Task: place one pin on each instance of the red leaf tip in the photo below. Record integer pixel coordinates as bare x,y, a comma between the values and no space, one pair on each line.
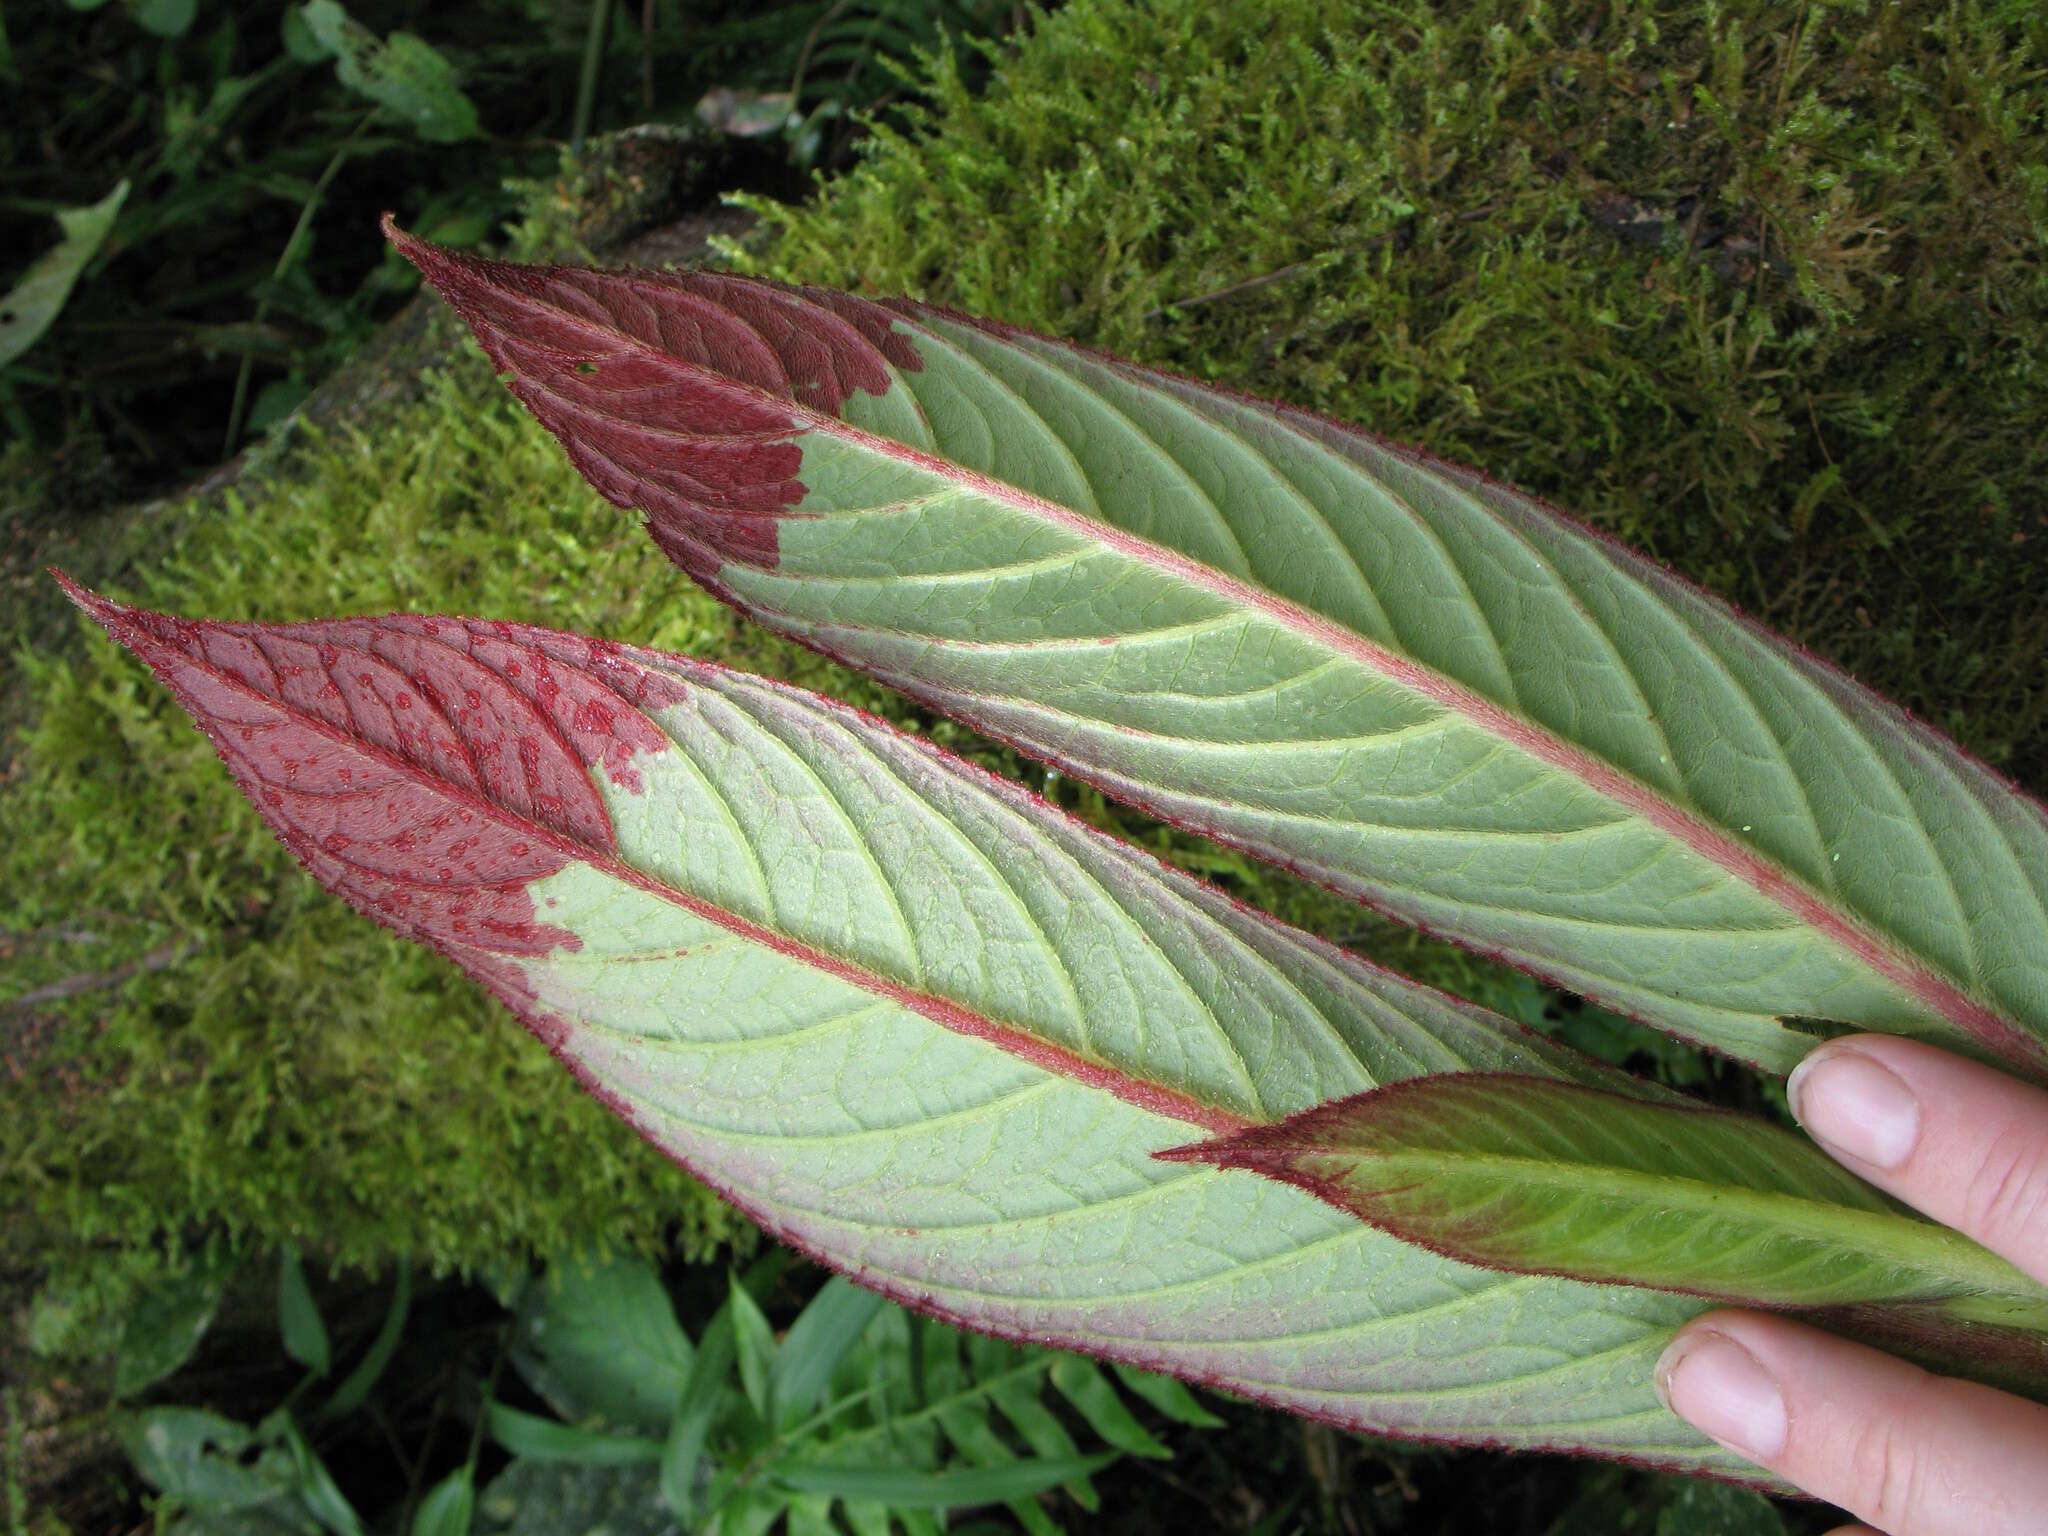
434,264
117,619
1255,1149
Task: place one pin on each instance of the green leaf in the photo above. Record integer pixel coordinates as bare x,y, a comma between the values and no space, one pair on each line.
959,1488
315,1486
703,1396
164,18
974,1438
1168,1397
401,73
355,1388
533,1498
448,1507
1039,1428
299,41
754,1343
1711,1509
197,1457
1557,1178
298,1316
29,308
168,1323
538,1439
602,1340
1096,1401
824,1332
282,1515
1388,673
911,1018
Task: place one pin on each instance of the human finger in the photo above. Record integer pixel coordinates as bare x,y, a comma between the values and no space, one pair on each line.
1962,1143
1912,1454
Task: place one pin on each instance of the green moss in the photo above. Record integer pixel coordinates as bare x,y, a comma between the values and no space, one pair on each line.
1759,287
296,1074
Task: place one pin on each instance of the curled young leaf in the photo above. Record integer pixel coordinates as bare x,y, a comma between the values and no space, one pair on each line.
1386,672
1549,1177
912,1019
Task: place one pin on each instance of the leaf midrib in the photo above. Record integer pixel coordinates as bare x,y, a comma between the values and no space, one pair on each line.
947,1013
1811,909
1876,1235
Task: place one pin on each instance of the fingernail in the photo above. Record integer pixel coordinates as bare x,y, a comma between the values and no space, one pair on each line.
1850,1103
1718,1387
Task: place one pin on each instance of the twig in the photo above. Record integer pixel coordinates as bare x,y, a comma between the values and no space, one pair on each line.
284,265
1277,275
161,958
803,58
57,933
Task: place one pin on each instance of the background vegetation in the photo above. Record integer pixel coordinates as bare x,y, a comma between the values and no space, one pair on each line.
1759,287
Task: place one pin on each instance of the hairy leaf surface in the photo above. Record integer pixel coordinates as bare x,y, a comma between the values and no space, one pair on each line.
1560,1178
912,1019
1389,673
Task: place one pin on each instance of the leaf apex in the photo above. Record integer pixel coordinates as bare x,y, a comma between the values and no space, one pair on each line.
434,264
1268,1149
118,619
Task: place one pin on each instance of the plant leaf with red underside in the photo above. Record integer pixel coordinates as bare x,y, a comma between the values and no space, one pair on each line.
1386,672
915,1021
1561,1178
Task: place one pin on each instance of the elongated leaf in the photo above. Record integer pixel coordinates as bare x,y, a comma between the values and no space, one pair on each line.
754,1343
32,305
955,1489
817,1341
448,1507
696,1414
356,1388
912,1019
539,1439
1168,1397
603,1339
298,1315
1386,672
315,1484
1558,1178
1096,1401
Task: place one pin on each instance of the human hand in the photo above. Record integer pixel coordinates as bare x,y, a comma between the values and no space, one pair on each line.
1912,1453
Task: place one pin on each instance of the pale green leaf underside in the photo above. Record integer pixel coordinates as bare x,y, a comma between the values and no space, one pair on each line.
1736,835
916,1021
949,1172
1556,1178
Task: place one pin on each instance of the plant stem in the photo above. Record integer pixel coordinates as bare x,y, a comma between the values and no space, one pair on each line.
646,59
238,407
161,958
593,64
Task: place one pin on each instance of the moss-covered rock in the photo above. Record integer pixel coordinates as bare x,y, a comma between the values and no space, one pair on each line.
278,1069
